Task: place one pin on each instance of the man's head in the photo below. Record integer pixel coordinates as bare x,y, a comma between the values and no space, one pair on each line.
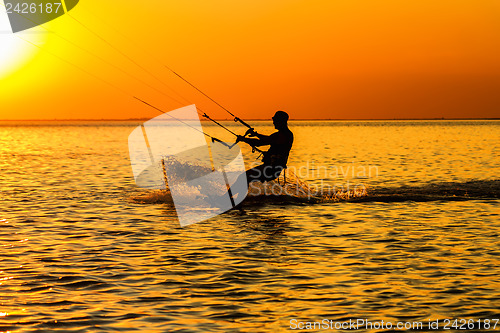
280,119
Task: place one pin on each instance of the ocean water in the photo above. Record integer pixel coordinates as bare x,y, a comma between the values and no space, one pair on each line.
79,254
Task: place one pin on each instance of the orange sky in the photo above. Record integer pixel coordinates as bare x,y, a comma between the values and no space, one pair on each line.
328,59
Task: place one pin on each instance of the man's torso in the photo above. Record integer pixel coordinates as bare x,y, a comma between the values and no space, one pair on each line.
282,142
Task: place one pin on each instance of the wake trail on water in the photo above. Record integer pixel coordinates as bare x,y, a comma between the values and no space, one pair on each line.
439,191
290,188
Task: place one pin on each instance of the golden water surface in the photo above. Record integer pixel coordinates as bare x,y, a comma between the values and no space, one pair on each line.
78,255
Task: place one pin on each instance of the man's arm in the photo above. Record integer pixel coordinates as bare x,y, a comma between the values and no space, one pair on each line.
263,140
260,136
252,133
257,142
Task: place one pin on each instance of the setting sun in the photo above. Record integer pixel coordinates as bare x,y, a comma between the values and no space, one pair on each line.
14,51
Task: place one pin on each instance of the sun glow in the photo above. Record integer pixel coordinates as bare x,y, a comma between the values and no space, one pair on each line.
14,51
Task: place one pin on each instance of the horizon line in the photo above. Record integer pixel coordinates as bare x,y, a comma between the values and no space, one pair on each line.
258,119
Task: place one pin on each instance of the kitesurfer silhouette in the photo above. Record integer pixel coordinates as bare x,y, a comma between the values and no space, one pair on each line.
275,159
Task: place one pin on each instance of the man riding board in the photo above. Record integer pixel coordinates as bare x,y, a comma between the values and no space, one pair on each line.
275,159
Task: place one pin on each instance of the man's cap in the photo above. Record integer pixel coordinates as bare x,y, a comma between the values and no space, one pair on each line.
281,115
